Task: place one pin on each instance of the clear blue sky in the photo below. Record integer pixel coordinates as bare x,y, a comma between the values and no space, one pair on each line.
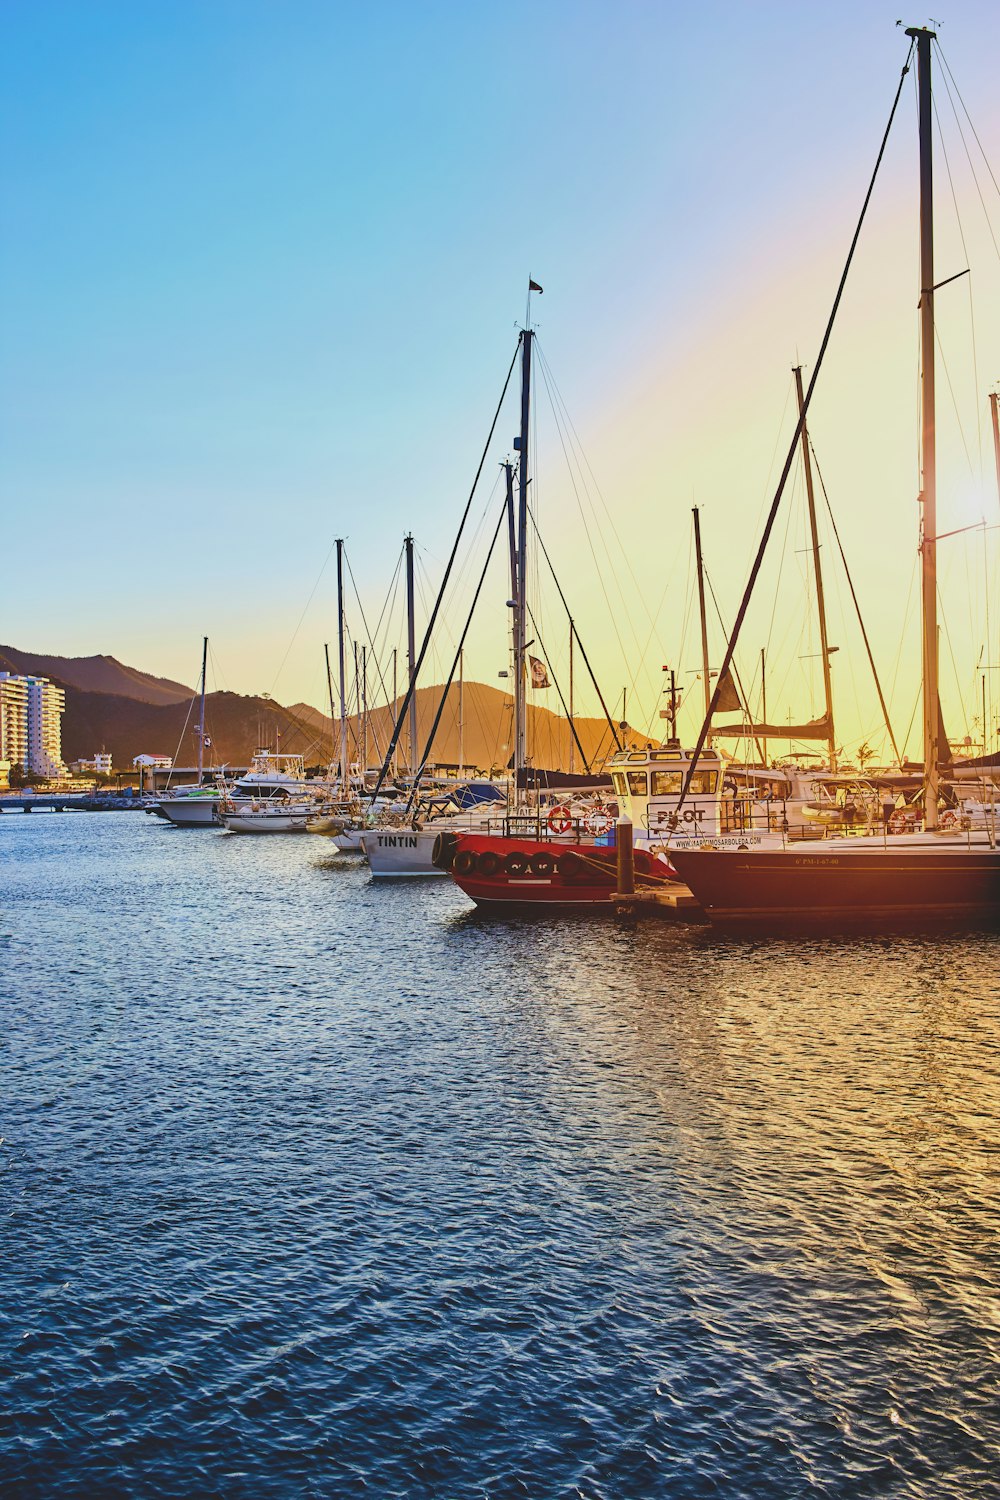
261,267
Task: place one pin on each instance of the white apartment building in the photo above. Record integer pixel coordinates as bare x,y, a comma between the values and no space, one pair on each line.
31,710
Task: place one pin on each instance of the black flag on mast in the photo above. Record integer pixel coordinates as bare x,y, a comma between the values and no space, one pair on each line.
533,286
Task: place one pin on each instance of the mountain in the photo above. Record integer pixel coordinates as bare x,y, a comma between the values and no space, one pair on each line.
127,727
96,674
488,740
237,726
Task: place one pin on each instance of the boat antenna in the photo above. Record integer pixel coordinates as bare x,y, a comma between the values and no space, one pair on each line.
793,445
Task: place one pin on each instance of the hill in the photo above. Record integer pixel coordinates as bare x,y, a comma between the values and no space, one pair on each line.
95,674
488,738
238,725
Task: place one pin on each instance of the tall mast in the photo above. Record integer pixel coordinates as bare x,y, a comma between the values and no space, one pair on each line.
763,702
344,773
364,712
572,736
511,531
201,726
705,669
521,597
824,646
928,489
411,650
329,692
461,711
994,402
395,706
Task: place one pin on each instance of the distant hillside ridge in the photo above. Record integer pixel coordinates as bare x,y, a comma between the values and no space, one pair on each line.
238,725
96,674
488,739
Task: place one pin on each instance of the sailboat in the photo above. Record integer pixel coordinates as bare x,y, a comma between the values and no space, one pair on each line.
939,875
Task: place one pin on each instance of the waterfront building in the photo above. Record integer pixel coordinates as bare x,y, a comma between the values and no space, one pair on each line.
31,710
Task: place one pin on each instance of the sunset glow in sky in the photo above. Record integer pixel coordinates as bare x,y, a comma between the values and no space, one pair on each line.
262,269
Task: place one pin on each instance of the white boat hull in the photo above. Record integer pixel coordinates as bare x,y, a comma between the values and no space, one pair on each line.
399,852
189,812
265,822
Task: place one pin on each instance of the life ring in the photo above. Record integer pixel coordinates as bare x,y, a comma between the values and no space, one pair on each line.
515,863
949,819
560,818
464,862
569,864
598,821
900,820
541,863
488,862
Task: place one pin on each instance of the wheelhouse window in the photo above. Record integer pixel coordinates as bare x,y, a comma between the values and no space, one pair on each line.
669,783
618,777
637,784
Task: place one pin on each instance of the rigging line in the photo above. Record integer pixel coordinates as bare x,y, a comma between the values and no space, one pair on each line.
772,515
390,597
562,700
305,611
948,74
180,742
954,664
378,665
584,461
954,402
735,669
411,686
458,653
590,543
972,321
563,420
555,580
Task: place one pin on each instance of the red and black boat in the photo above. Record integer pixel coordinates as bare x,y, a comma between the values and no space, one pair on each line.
500,871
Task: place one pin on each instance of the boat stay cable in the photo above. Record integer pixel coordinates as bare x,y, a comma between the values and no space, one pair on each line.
576,633
454,666
562,700
857,605
794,445
412,684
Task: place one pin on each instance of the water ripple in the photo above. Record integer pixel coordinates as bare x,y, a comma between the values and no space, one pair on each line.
309,1187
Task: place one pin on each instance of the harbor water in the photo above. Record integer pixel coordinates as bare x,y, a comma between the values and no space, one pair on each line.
315,1187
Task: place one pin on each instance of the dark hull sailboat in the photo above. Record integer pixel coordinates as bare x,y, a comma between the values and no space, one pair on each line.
908,883
929,879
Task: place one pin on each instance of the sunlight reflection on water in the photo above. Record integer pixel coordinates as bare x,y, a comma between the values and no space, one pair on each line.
316,1186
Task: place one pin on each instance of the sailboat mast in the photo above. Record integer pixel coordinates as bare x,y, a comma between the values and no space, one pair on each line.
521,597
344,773
572,740
411,649
364,712
329,693
994,403
824,646
928,488
201,726
461,710
705,668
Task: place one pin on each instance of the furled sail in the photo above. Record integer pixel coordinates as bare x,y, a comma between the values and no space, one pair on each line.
816,729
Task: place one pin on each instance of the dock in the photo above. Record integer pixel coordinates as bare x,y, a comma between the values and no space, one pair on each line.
670,901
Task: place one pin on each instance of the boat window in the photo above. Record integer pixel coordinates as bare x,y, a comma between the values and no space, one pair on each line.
618,778
637,783
669,783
